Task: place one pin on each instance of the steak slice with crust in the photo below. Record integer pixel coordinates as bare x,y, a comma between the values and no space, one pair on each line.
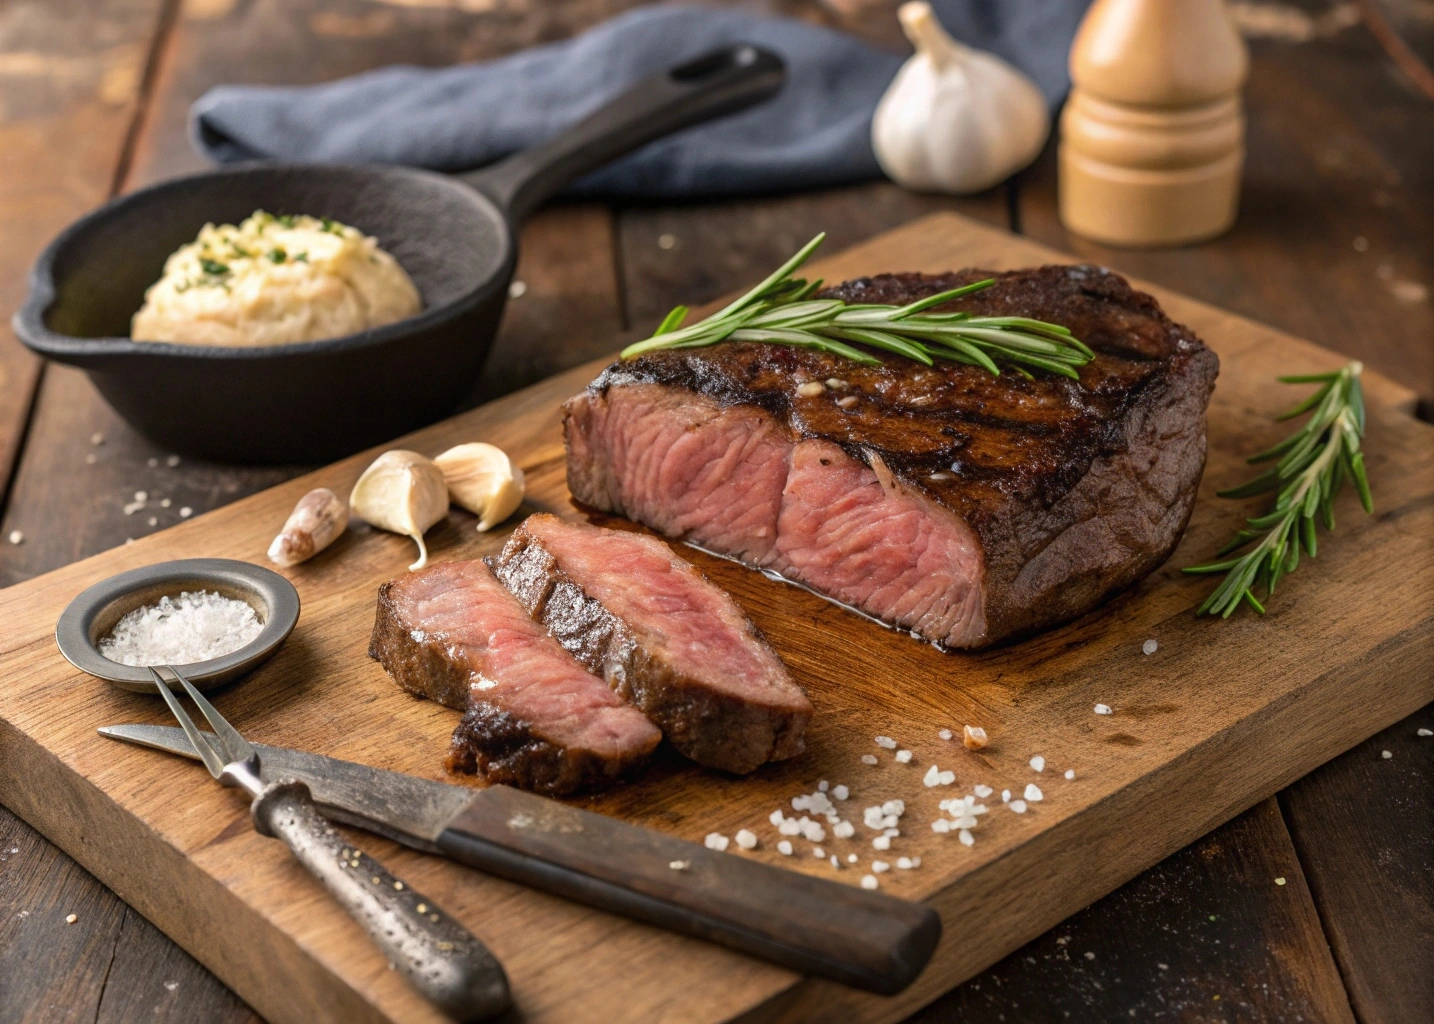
963,507
665,638
534,717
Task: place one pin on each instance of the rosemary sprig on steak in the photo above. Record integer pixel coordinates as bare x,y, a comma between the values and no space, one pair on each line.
1314,463
781,311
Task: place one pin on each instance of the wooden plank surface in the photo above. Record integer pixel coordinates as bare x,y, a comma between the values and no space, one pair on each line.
1294,718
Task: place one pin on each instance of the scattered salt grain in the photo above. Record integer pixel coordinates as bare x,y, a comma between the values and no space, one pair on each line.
868,759
785,848
1033,793
835,863
152,462
1090,956
843,830
967,839
982,791
1019,806
886,743
869,882
974,737
71,918
517,289
1005,796
170,986
840,792
196,626
776,817
1070,773
133,507
880,866
153,521
172,461
822,786
819,853
810,389
790,827
1038,763
1425,732
166,503
812,831
186,512
1103,709
947,777
1163,967
1150,647
91,459
896,807
1279,881
97,439
932,777
747,839
945,734
666,241
715,841
852,858
141,495
904,756
881,843
16,537
679,865
904,863
848,402
1386,754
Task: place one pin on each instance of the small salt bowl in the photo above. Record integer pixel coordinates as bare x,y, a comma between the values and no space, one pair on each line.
93,614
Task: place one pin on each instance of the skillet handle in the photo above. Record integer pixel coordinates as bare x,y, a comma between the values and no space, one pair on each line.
720,82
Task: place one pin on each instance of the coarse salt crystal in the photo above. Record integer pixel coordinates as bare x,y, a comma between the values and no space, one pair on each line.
97,439
1005,796
904,863
151,462
1150,647
1033,793
195,626
868,759
965,821
974,737
1425,732
141,496
982,791
896,807
785,848
904,756
879,866
1103,709
715,841
165,503
835,863
172,461
932,777
892,833
1386,754
1019,806
886,743
967,839
186,512
813,832
869,882
71,918
819,853
941,825
822,786
747,839
852,858
16,537
946,778
945,734
843,830
881,843
679,865
840,792
776,817
1038,763
790,827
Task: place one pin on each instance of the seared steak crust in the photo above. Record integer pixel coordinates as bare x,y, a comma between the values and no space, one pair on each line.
1073,489
732,707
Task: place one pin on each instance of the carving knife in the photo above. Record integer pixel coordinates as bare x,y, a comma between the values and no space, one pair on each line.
866,939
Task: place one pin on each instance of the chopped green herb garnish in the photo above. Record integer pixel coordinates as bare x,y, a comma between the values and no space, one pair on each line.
213,267
332,227
286,219
303,257
277,255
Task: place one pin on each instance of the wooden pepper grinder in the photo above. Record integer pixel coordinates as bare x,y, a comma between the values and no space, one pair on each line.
1153,135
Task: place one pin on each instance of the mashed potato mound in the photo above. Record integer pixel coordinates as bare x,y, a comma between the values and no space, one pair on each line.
274,281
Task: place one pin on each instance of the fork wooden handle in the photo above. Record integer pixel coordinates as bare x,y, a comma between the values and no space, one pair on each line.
438,956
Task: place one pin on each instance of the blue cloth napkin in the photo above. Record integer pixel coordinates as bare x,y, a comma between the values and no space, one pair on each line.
816,132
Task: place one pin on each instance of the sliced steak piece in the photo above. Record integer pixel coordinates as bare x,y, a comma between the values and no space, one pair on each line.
964,507
534,717
666,639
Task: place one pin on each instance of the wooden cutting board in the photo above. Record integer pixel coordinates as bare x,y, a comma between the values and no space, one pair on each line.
1222,715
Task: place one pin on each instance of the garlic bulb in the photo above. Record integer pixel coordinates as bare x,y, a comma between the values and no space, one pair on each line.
955,119
315,523
482,479
403,492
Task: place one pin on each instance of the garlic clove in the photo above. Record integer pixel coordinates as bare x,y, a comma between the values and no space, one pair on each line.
402,492
482,479
955,119
315,523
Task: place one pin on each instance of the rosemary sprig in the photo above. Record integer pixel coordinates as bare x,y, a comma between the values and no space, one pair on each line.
781,311
1312,466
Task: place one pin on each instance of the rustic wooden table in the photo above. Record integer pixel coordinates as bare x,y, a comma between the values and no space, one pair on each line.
1317,905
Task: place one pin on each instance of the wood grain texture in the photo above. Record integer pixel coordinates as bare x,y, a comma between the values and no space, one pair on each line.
1332,243
1191,743
1212,910
1364,825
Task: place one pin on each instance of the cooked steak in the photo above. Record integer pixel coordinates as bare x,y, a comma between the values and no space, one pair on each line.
963,507
662,635
534,717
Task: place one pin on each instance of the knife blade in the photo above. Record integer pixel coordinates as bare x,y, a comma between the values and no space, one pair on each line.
863,938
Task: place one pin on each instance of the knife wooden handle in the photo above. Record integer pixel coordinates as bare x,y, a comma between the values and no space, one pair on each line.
862,938
438,956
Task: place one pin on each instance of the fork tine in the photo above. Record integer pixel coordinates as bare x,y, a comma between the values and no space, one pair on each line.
236,747
207,754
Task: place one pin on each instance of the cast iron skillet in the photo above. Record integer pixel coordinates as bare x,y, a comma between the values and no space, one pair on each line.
313,402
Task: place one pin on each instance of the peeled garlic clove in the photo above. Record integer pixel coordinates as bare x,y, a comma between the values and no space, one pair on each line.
482,479
315,523
403,492
955,119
